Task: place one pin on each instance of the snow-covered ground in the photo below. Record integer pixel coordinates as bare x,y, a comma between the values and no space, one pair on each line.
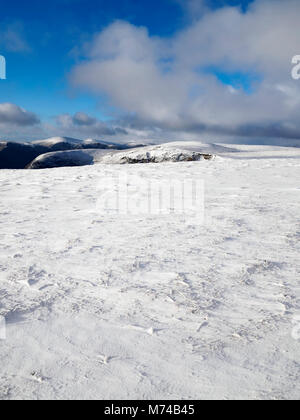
100,305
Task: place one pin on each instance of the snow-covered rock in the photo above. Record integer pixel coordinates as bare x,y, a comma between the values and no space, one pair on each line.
169,152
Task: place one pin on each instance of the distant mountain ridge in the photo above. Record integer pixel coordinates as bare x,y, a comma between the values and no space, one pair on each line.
15,155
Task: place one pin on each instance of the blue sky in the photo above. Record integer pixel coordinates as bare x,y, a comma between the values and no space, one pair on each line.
44,41
37,76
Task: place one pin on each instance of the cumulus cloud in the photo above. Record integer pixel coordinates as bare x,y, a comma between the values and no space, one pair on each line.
172,83
13,115
82,119
83,125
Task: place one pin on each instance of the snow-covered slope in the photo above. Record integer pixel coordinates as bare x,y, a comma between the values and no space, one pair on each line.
67,158
107,306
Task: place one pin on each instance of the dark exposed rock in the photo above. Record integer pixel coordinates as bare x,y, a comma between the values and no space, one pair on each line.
154,159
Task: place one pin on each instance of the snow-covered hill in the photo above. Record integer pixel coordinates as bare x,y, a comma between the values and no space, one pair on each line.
67,158
169,152
101,304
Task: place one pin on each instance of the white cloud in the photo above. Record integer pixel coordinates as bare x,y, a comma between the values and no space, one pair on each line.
13,115
160,82
82,125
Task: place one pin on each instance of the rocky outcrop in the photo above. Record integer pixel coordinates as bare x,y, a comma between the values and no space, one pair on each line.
156,154
181,157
